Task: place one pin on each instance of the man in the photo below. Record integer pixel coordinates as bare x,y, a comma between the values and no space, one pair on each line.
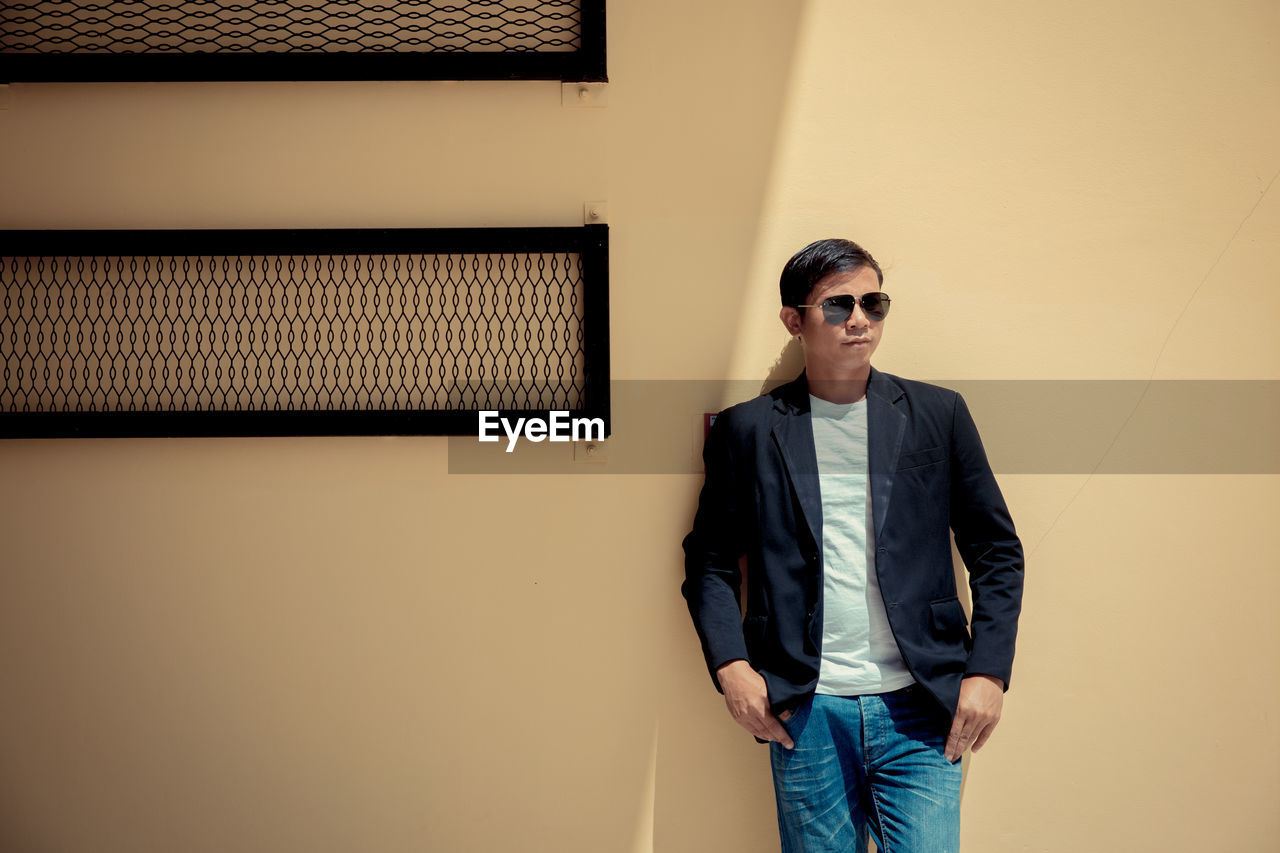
854,659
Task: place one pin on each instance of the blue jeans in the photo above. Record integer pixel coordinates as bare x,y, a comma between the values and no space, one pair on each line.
867,764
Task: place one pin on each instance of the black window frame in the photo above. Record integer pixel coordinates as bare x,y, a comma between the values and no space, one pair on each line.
587,64
590,242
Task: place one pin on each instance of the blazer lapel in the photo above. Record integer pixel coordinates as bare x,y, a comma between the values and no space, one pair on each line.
793,433
886,424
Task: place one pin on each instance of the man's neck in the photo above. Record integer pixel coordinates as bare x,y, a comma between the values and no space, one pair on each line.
847,389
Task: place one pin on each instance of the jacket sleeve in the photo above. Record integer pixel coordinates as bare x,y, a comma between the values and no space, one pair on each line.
990,548
712,577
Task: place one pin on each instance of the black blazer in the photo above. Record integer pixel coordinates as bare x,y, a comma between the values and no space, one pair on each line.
929,475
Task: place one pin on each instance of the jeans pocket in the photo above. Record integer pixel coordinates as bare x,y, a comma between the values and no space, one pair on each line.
796,713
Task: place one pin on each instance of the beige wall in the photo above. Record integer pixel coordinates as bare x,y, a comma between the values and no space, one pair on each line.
335,644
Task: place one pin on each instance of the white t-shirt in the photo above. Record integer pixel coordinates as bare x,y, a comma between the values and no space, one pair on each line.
859,653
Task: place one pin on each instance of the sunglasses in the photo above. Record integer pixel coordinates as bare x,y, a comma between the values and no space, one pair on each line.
838,309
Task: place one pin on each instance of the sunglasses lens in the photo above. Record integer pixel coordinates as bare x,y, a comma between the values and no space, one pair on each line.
876,305
836,309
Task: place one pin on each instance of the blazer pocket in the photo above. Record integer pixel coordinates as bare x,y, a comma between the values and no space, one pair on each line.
948,618
921,458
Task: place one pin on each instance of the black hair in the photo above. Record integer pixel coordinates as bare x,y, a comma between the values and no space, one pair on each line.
818,260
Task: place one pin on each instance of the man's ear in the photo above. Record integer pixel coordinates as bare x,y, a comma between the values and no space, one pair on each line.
790,318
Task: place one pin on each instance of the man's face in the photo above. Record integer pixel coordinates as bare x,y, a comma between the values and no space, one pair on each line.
841,351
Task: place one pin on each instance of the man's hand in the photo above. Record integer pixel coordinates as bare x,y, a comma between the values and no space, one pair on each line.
748,701
981,698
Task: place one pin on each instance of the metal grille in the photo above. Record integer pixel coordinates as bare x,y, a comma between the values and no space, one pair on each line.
412,332
134,27
292,39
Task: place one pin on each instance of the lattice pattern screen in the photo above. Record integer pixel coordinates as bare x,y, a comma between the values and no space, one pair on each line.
229,40
424,332
210,27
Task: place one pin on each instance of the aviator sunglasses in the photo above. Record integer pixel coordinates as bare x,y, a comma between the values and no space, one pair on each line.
837,309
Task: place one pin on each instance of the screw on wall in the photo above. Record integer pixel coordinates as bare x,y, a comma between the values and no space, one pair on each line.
595,213
584,95
590,452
